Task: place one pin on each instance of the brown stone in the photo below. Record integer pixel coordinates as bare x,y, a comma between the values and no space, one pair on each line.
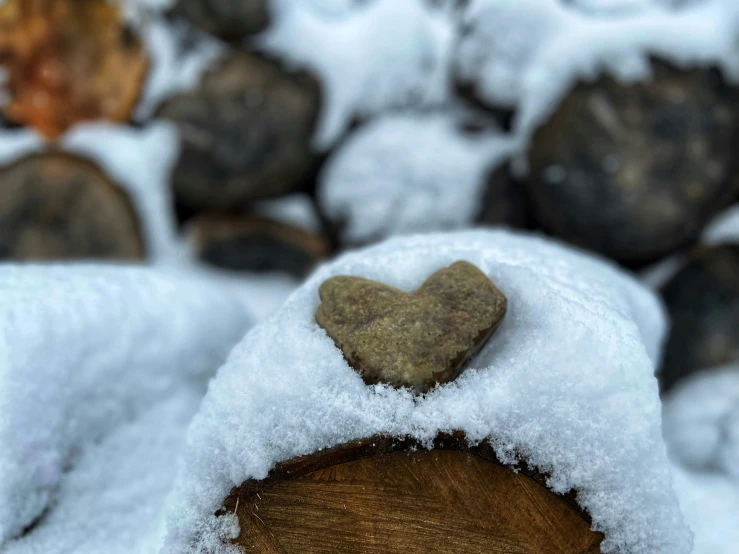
411,340
57,206
246,133
69,61
703,303
384,495
634,171
228,19
249,243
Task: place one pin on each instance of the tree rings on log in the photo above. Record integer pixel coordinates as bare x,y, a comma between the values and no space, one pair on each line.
703,303
257,244
228,19
69,61
57,206
383,496
246,133
635,171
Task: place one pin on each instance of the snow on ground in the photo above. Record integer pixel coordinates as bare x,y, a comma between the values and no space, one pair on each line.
409,172
369,56
112,499
85,348
710,504
566,383
701,422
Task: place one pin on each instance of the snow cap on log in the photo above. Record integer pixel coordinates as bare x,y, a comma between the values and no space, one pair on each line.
566,385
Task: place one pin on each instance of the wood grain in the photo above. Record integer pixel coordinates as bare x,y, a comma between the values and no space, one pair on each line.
384,495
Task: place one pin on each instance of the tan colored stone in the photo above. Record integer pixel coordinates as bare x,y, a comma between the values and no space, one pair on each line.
411,340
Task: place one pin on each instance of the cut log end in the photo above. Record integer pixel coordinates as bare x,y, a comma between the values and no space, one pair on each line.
251,243
635,171
56,206
382,496
69,61
246,133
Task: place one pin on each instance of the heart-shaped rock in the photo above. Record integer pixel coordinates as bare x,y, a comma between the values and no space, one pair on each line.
411,340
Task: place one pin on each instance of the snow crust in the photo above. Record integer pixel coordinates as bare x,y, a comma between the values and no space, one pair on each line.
409,172
369,56
295,209
566,383
85,348
701,422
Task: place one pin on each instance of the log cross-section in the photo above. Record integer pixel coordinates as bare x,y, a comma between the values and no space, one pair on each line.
384,495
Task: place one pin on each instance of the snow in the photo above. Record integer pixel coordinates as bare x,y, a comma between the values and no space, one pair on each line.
409,172
566,384
140,161
369,57
113,497
530,53
86,348
723,228
180,55
710,504
701,422
295,209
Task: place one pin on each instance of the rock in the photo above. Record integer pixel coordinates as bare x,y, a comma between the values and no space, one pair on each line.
635,171
703,302
69,61
58,206
411,340
246,133
251,243
228,19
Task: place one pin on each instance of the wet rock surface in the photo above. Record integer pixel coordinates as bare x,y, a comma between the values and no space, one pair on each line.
635,171
703,303
246,133
57,206
411,340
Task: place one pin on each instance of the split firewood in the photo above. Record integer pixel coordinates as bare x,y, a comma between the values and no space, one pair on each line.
635,171
703,303
228,19
57,206
382,495
69,61
250,243
246,133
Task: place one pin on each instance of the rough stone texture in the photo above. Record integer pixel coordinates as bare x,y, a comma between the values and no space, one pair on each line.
246,133
69,61
228,19
411,340
57,206
635,171
703,302
257,244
